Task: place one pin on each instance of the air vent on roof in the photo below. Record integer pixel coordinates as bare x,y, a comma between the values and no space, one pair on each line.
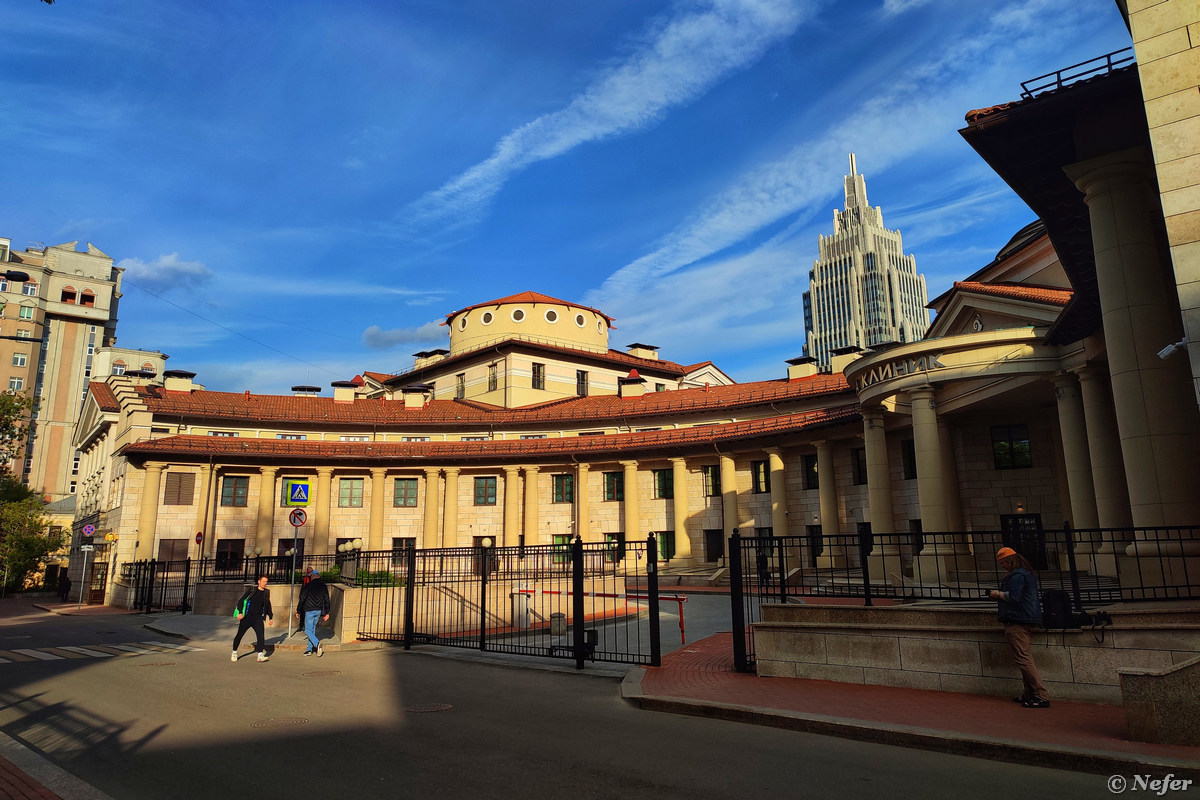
306,391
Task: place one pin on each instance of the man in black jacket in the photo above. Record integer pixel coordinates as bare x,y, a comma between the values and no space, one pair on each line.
253,607
313,605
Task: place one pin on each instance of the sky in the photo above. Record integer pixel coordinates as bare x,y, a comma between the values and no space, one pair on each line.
299,192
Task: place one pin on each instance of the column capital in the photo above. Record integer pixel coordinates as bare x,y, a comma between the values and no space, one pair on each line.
452,470
268,470
325,471
378,472
773,451
432,472
678,460
511,470
1064,381
156,466
530,469
1098,176
922,393
629,464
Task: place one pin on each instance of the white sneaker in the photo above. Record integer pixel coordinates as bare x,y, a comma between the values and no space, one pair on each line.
320,651
263,657
233,657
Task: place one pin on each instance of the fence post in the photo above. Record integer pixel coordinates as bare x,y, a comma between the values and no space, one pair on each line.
782,569
150,585
187,579
652,597
736,600
577,604
864,550
410,595
483,576
1076,599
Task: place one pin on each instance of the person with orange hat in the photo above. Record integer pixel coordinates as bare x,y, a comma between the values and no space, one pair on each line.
1020,610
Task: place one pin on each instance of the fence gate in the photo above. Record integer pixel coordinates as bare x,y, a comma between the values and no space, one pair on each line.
160,585
596,601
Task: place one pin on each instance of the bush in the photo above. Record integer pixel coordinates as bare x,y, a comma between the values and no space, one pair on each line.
381,578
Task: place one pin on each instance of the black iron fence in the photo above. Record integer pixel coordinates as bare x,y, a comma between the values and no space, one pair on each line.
1090,566
159,585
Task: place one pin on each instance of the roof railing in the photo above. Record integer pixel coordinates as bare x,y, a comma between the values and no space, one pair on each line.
1053,81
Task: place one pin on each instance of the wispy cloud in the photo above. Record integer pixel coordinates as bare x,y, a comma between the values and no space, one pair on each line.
165,272
892,7
376,338
683,57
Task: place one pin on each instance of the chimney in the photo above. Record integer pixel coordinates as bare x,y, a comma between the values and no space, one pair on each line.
804,367
415,394
179,380
843,357
632,385
306,391
639,350
343,391
427,357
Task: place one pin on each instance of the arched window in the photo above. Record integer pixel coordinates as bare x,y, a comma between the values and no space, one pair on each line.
30,288
68,294
87,298
149,367
118,367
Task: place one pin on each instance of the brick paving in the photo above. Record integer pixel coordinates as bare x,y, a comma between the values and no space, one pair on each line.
703,672
15,784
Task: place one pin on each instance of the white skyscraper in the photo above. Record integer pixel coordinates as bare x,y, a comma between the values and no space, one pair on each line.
862,290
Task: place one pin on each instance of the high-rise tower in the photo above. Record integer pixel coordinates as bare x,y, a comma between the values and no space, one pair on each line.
862,289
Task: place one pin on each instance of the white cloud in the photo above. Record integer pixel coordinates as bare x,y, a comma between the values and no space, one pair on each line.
893,7
165,272
377,338
354,163
683,58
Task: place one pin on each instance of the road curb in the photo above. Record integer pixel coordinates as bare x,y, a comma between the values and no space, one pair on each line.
1028,754
46,773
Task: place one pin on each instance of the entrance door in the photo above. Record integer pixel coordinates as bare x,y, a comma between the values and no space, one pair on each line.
98,583
1023,533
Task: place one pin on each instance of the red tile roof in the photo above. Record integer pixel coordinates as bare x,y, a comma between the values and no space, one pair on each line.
532,297
1019,291
242,408
609,445
104,396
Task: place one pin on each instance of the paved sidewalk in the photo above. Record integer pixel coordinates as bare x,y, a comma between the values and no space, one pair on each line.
700,680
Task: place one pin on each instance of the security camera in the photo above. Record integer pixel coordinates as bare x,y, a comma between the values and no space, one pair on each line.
1170,349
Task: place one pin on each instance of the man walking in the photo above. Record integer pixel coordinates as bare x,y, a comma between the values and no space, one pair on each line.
313,605
253,607
1020,610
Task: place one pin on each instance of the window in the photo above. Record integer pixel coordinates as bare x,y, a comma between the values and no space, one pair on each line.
180,488
3,281
564,488
234,490
30,288
760,477
1010,447
551,316
405,493
87,298
1,309
160,430
493,377
287,544
75,465
20,359
714,544
473,438
858,465
460,386
581,382
664,484
615,546
71,488
24,334
712,480
350,493
764,533
68,295
908,459
229,434
294,492
26,312
614,486
401,546
148,367
647,430
660,387
485,491
539,376
533,436
414,438
118,367
229,554
299,436
666,544
16,384
354,438
812,478
562,548
172,549
517,315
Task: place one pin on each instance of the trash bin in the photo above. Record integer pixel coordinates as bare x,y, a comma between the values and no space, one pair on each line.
558,623
520,609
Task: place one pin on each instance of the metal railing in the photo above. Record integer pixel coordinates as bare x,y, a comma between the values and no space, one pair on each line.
1052,81
1096,566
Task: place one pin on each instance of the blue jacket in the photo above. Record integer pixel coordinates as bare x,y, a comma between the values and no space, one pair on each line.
1022,606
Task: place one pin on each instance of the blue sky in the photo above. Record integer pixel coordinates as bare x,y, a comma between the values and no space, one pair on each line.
301,191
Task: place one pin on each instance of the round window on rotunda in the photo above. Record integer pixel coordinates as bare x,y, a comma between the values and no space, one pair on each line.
518,315
487,318
551,316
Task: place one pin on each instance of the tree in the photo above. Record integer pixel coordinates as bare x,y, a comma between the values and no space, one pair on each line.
14,426
24,541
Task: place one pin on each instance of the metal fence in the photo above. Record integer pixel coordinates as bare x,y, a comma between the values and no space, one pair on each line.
1090,566
596,601
159,585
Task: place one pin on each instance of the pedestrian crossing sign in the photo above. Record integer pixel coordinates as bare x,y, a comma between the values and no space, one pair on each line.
295,492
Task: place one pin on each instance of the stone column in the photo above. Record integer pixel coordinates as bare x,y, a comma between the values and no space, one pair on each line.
632,521
512,508
884,559
264,528
378,496
582,526
1076,458
729,496
1104,451
679,507
429,526
779,509
148,512
205,507
321,512
954,518
928,452
531,506
832,555
450,514
1156,411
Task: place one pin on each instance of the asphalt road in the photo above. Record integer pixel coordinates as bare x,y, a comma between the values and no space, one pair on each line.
386,724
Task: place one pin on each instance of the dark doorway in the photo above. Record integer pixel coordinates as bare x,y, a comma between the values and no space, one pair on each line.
1023,533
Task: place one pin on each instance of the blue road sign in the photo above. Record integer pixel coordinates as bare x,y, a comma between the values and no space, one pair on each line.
298,493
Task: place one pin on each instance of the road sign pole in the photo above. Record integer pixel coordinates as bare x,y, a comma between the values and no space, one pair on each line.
292,580
82,581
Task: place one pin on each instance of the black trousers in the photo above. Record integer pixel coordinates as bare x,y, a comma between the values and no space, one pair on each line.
245,625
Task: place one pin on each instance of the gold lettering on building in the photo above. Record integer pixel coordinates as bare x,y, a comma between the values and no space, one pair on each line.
899,368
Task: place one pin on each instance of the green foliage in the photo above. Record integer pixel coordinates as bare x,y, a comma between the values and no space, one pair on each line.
12,490
24,540
331,575
14,423
381,578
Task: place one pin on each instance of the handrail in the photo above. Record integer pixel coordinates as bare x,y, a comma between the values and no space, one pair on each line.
1065,77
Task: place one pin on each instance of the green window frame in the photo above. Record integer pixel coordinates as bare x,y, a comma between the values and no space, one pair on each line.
666,544
712,480
812,476
760,477
614,486
350,493
664,484
564,488
485,491
1010,447
404,493
234,490
539,376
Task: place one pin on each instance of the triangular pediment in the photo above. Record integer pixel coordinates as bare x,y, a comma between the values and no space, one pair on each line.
976,307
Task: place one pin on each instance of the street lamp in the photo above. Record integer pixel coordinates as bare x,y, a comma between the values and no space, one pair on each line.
16,275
